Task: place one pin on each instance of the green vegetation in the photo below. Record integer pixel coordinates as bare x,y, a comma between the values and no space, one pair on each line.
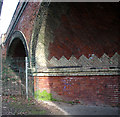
44,95
38,112
14,98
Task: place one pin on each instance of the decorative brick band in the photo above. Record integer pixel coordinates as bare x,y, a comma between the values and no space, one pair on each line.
80,67
93,61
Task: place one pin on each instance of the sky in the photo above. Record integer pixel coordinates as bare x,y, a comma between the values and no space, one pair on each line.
8,9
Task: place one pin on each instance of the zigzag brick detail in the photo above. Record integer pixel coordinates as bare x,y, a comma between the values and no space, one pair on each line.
83,61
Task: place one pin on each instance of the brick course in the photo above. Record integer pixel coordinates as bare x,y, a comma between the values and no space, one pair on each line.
95,90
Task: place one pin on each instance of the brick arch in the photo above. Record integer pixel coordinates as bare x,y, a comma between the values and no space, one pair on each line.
36,31
17,39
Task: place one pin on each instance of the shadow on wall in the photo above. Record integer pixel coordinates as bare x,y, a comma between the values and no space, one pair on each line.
66,29
46,24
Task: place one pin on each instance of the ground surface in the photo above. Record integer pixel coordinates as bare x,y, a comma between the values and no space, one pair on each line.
78,109
20,106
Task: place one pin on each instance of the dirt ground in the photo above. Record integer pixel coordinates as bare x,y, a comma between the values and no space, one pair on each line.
12,105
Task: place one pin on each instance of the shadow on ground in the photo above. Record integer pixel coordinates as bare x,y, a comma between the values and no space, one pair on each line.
12,105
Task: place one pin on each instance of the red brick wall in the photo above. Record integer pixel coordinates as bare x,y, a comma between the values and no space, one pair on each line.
26,21
96,90
83,29
87,28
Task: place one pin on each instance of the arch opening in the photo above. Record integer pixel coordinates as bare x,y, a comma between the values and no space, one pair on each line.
16,49
15,59
14,65
16,56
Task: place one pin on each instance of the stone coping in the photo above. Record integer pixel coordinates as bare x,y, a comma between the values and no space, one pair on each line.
76,72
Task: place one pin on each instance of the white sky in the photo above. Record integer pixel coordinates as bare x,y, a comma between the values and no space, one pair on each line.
8,9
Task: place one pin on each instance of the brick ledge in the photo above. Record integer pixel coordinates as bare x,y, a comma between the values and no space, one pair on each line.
76,72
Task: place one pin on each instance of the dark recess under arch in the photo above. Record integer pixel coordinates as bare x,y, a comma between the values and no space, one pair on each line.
17,46
16,49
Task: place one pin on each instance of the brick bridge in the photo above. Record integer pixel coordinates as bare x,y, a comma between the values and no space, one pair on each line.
74,47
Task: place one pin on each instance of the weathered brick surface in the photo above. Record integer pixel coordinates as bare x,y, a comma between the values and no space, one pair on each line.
66,29
73,29
96,90
86,29
26,21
